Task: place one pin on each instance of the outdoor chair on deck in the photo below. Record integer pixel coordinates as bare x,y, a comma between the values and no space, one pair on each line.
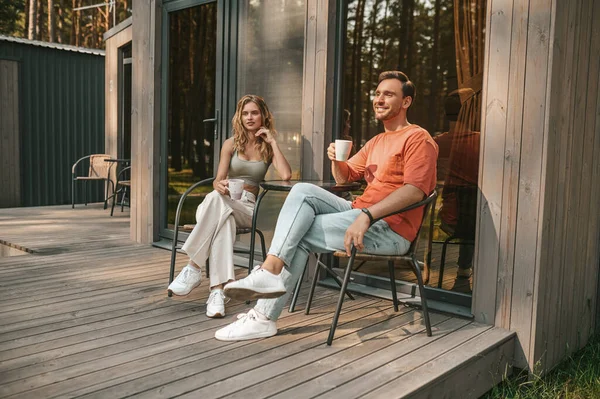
122,187
176,246
463,233
409,257
98,170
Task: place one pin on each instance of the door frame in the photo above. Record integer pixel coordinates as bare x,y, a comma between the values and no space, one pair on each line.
224,88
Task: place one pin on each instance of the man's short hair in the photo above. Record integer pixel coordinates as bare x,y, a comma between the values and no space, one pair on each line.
408,87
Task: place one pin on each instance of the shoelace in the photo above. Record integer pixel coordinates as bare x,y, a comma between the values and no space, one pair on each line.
185,276
213,296
255,268
244,317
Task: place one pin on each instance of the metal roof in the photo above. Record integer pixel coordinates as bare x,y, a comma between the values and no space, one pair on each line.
56,46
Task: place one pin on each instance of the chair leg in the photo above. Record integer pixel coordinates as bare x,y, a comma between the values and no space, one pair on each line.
262,244
297,291
173,258
85,192
123,198
254,229
106,195
417,272
73,193
207,269
338,310
443,261
313,285
393,284
112,208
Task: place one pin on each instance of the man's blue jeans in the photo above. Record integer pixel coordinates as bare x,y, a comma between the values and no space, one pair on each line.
315,220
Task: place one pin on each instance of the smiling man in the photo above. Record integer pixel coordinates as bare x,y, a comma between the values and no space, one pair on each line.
399,166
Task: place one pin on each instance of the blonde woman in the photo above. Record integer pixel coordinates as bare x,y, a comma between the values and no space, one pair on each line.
247,155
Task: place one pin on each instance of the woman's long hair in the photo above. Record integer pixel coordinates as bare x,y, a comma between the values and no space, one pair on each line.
240,137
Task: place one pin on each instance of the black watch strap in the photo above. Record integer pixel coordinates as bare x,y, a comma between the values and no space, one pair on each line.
365,210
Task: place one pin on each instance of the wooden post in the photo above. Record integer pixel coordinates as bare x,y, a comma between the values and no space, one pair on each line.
145,124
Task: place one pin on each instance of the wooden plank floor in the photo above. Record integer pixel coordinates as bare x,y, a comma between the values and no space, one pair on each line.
86,315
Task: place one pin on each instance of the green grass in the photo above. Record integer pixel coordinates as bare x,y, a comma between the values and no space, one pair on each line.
577,377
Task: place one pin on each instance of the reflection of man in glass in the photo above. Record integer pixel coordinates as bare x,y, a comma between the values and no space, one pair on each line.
459,161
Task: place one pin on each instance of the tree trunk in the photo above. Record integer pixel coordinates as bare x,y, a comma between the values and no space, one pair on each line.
403,35
77,23
50,21
60,22
410,39
434,92
32,19
39,26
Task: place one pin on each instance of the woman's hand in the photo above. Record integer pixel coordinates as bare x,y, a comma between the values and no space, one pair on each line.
221,187
266,135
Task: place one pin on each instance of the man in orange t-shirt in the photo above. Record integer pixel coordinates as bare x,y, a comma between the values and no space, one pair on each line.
399,166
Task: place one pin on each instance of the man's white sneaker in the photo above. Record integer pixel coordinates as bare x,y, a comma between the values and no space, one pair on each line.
188,279
247,326
259,284
215,306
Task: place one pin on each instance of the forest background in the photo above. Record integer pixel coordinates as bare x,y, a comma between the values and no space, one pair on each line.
59,21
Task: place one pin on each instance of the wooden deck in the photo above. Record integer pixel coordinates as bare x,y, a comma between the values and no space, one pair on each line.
86,315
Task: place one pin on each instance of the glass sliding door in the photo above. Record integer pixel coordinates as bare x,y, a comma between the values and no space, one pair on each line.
270,58
192,144
439,45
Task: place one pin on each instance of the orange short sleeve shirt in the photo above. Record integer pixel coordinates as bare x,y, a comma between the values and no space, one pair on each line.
389,161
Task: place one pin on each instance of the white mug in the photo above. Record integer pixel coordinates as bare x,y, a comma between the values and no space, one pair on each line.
342,149
236,187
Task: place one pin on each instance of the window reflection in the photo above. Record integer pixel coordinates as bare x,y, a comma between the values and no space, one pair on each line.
270,62
191,99
439,44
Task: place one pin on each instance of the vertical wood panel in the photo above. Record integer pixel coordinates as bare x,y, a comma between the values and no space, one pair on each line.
529,204
10,163
546,315
567,203
112,101
317,88
512,157
491,170
309,88
575,263
593,234
145,129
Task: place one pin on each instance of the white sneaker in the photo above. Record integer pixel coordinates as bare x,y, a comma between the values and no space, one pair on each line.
215,306
259,284
247,326
188,279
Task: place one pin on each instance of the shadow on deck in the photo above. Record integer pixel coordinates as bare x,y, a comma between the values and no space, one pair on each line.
86,315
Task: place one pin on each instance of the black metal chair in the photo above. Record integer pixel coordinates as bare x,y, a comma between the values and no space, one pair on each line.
176,246
98,170
409,257
123,186
463,233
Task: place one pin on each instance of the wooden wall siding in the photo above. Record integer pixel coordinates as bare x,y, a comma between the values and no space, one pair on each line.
571,223
537,263
317,87
145,123
111,125
10,163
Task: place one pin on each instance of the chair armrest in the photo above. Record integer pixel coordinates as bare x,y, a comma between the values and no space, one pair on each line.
182,200
426,202
76,163
121,173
